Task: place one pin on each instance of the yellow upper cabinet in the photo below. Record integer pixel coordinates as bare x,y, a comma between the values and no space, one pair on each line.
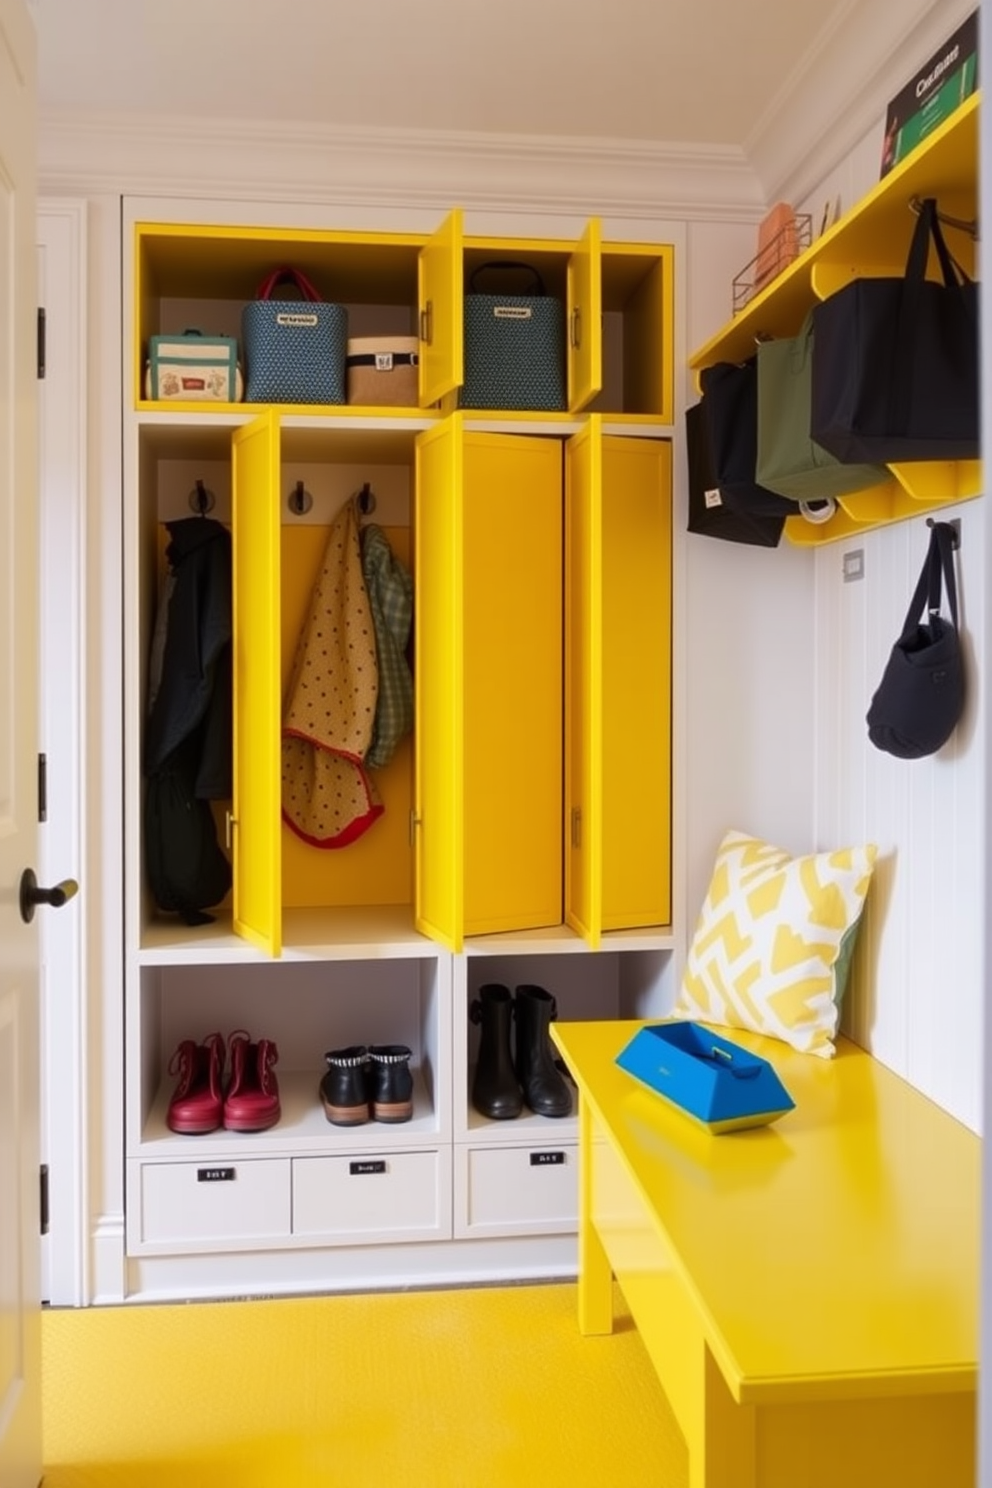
256,834
616,302
440,299
201,277
618,587
488,682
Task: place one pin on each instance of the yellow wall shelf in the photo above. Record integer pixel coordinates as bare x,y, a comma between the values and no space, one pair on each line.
872,240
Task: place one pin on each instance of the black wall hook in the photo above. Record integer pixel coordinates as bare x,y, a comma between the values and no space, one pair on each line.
366,500
300,500
201,500
955,525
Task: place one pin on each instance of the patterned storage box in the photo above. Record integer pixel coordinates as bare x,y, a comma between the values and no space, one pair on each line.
514,344
382,370
294,349
193,368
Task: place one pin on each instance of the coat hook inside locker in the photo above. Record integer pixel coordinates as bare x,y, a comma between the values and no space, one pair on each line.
201,500
300,500
366,500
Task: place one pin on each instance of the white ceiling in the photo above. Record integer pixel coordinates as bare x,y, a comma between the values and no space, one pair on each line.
672,71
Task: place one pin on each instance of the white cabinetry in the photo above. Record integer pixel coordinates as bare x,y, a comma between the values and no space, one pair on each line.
447,1195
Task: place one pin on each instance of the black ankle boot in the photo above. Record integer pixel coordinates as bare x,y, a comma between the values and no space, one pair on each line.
344,1089
495,1092
543,1086
390,1082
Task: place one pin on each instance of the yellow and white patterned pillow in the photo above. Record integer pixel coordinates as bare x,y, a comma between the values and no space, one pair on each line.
773,941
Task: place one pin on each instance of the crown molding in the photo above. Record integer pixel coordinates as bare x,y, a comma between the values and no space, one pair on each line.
247,159
840,89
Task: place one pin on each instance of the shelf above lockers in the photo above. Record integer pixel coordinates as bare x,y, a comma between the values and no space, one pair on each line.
872,240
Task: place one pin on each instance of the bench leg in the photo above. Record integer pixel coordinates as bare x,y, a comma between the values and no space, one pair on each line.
595,1273
722,1445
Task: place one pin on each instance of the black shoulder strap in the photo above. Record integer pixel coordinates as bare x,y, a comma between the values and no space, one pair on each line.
938,569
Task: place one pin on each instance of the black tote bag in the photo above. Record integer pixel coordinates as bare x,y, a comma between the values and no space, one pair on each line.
895,362
920,697
709,513
730,411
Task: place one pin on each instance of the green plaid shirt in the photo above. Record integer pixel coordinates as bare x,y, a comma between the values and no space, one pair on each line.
390,591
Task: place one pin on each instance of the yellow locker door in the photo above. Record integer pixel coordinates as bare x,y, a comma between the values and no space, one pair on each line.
585,319
438,699
584,682
440,279
257,684
636,547
489,682
618,682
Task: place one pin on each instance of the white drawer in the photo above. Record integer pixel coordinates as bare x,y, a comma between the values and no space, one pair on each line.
370,1197
212,1205
517,1190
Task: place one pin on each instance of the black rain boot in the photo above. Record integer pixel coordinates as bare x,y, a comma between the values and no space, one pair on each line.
495,1092
543,1086
391,1082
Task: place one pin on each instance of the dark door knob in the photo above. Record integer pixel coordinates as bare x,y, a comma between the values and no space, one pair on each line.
33,894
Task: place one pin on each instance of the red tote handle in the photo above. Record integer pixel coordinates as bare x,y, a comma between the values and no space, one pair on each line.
294,276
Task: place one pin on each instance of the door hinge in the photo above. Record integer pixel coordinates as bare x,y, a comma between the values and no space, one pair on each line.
44,1198
41,341
42,787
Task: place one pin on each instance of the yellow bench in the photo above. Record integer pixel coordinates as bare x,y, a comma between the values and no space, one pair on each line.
807,1291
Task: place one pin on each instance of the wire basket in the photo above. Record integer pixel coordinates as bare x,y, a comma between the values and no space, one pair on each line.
791,239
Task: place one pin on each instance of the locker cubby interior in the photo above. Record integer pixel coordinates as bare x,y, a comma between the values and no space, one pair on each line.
306,1008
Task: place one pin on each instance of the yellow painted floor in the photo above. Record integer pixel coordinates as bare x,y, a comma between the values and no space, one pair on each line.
470,1388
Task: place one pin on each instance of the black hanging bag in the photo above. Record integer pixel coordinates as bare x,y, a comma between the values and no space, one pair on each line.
709,514
895,362
920,697
730,410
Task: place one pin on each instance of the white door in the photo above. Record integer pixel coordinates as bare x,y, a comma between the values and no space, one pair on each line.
20,1316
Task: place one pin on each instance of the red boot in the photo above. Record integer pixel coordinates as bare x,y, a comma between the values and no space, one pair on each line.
252,1100
197,1104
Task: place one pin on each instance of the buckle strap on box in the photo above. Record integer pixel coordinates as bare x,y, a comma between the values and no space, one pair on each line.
384,361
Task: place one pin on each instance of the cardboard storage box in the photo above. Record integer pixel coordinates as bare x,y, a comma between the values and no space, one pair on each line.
382,371
712,1079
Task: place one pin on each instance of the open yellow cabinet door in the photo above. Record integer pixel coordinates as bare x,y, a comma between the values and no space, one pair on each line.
440,279
488,682
439,825
256,810
618,587
585,319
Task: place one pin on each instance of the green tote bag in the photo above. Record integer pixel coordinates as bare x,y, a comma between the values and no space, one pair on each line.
788,460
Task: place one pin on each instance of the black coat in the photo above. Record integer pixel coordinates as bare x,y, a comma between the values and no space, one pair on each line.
192,693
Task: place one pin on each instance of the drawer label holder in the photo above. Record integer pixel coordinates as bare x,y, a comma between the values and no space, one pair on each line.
547,1159
369,1165
216,1175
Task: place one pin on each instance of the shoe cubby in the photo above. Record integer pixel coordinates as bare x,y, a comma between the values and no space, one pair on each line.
519,1175
303,1180
305,1008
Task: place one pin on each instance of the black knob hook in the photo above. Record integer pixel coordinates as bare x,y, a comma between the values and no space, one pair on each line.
32,894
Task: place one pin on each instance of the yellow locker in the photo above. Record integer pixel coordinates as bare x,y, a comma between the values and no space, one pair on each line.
618,682
256,808
489,682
